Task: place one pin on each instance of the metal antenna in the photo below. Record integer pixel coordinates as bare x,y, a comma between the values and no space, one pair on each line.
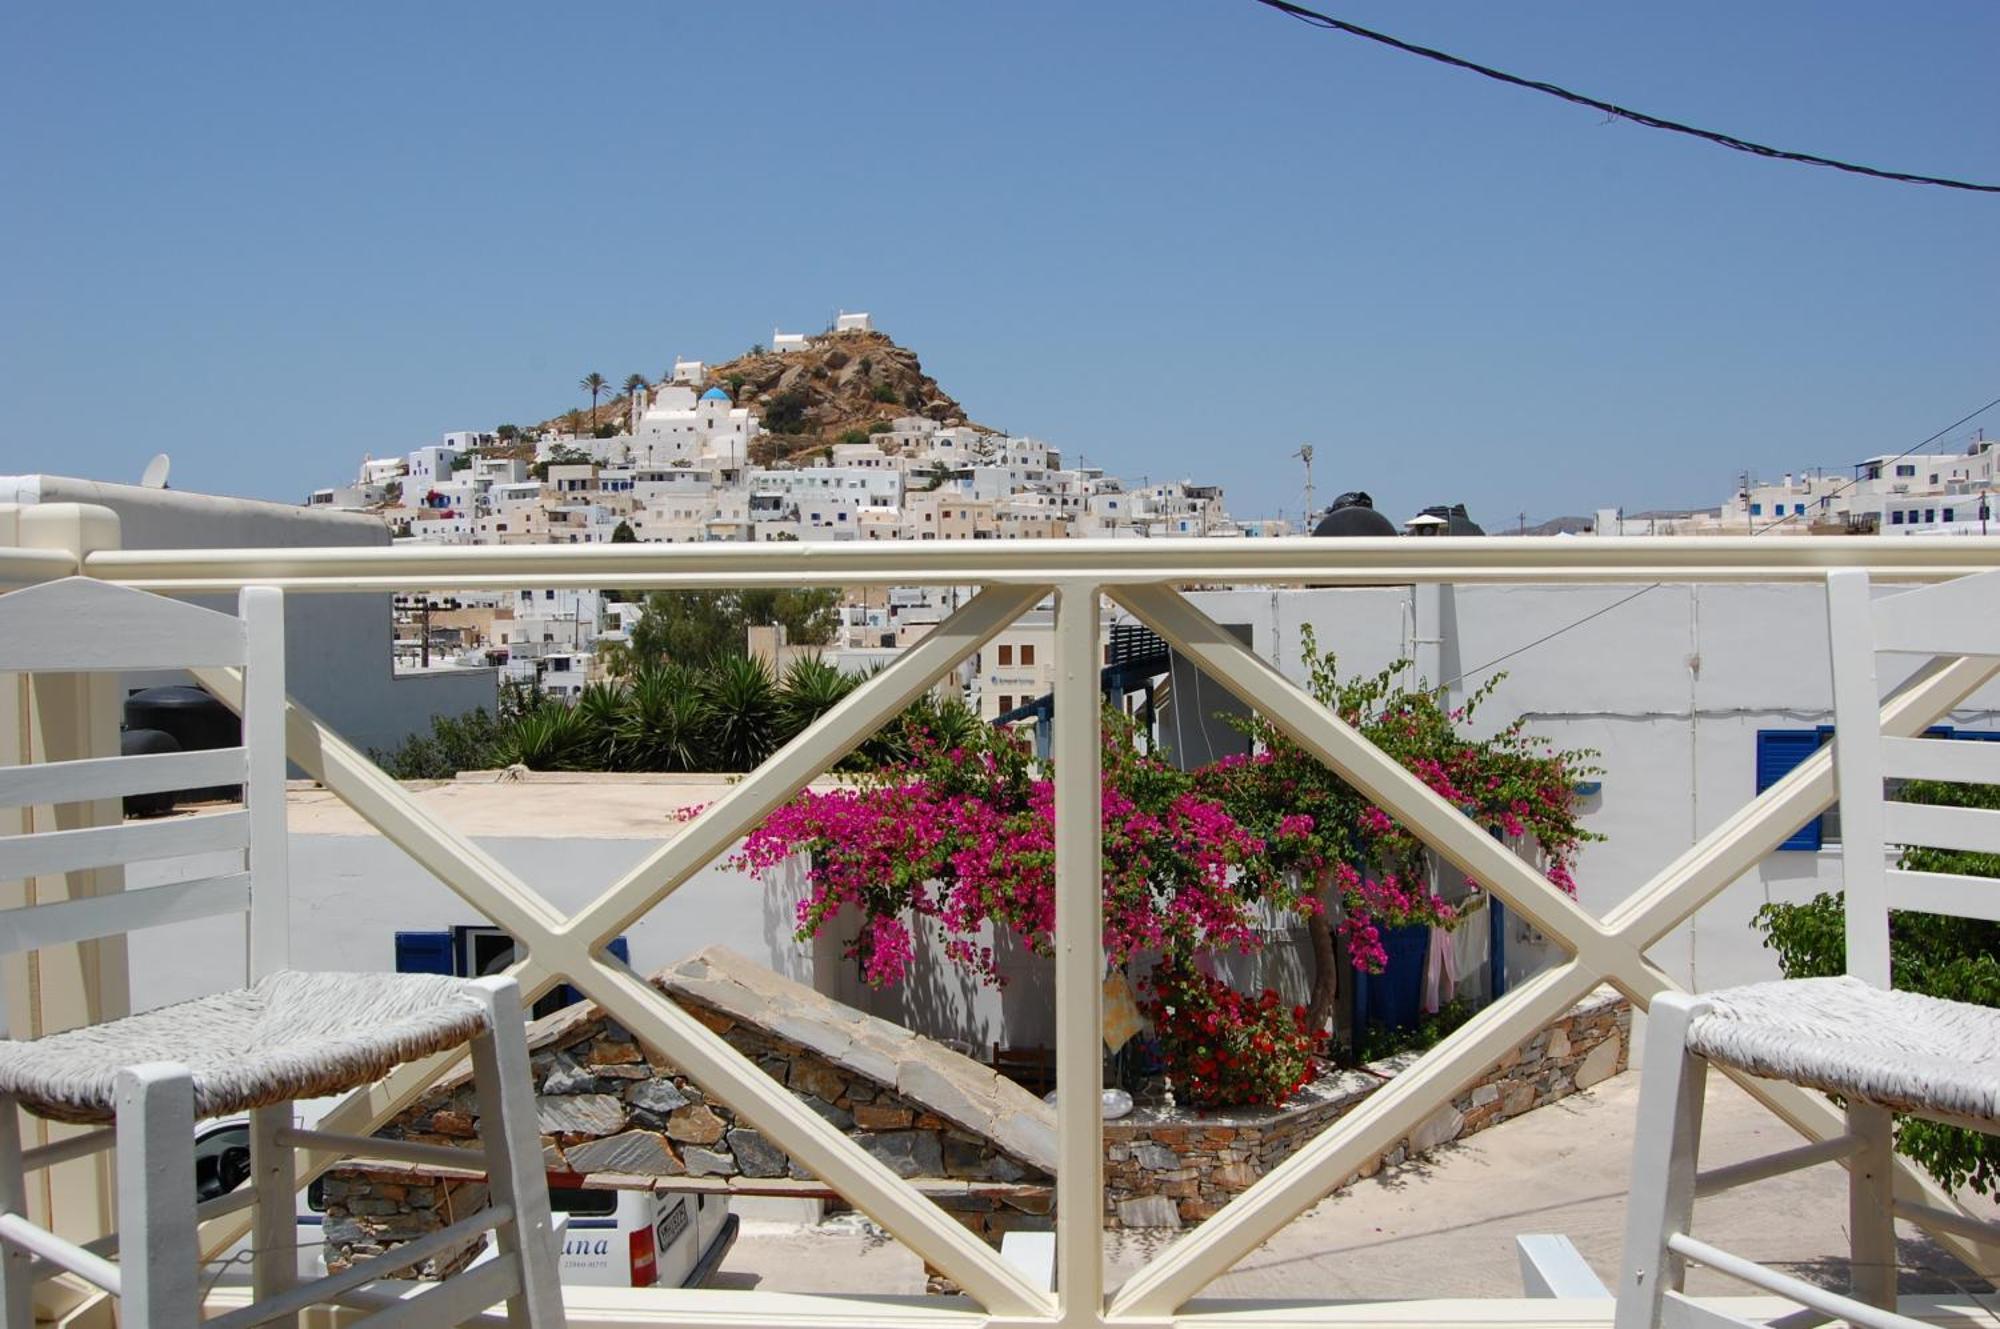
1305,454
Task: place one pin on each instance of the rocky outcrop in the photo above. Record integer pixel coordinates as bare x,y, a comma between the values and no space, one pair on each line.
807,399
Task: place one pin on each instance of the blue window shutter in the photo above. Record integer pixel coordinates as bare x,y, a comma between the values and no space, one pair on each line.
423,953
1779,751
618,947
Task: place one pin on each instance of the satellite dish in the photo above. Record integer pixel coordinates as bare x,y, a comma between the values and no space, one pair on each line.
156,472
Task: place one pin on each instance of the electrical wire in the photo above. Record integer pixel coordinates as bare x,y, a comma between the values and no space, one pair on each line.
1599,613
1316,19
1547,637
1963,419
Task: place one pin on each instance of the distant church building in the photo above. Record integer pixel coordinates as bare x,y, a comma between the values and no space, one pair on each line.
681,428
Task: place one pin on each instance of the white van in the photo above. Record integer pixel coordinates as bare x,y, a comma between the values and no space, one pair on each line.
609,1238
642,1238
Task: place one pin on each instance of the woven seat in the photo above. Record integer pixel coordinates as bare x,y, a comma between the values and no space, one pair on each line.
292,1035
1900,1050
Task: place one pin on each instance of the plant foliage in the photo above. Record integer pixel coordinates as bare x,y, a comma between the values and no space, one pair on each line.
1935,954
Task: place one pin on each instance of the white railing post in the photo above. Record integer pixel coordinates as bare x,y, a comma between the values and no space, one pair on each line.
65,717
1079,943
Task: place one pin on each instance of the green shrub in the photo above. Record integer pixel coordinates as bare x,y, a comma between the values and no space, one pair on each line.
1378,1041
786,413
1940,956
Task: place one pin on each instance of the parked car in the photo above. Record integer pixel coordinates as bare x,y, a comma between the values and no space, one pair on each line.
609,1238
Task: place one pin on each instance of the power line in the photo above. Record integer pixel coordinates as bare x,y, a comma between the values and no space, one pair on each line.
1547,637
1599,613
1963,419
1319,20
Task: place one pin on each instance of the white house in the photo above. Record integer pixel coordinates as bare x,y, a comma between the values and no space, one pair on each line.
430,465
679,427
846,322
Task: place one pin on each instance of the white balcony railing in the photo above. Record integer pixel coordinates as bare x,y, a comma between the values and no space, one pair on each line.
1145,577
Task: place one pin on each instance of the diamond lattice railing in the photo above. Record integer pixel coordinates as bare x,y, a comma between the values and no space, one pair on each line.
568,948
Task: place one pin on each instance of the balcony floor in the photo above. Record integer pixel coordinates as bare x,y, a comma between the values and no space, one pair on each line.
1445,1226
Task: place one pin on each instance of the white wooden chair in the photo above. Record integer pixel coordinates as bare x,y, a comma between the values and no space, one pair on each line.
1880,1051
145,1080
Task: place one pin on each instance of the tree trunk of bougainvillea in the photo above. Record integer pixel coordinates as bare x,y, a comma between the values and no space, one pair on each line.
1325,979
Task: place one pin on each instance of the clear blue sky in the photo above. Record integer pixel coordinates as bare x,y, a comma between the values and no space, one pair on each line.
1181,239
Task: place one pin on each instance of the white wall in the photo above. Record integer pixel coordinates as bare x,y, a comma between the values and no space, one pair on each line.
352,893
338,649
1670,688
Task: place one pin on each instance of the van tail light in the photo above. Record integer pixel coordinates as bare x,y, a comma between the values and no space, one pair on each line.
645,1265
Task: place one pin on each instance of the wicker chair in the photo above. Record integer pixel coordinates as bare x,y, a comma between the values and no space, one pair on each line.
1880,1051
146,1079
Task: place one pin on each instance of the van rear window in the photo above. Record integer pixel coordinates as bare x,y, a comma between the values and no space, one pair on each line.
582,1201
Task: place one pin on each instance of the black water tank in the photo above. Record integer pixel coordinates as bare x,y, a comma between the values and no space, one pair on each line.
1458,523
1354,514
198,722
195,720
145,743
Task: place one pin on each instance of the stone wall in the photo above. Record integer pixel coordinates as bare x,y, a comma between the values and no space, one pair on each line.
612,1114
1168,1168
372,1207
615,1115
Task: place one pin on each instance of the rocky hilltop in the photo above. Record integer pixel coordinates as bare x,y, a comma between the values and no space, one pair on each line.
842,384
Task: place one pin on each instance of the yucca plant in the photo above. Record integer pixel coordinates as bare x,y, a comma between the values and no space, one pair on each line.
663,725
811,687
745,716
550,738
598,709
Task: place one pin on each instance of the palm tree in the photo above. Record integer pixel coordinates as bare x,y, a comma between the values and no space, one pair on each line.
594,383
634,385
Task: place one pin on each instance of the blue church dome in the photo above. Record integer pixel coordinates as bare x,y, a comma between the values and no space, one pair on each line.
715,394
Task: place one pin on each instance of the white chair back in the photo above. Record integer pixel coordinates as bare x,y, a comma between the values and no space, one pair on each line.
80,625
1953,618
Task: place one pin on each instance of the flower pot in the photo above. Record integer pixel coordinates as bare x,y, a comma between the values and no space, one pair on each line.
1394,997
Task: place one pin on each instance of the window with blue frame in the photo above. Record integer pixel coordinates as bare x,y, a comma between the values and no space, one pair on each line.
1780,751
1896,518
1798,509
468,951
1756,509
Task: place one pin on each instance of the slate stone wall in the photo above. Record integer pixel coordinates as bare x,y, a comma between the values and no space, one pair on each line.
373,1207
1174,1169
612,1114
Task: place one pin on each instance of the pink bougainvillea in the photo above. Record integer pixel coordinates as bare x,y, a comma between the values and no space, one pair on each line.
966,838
957,839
